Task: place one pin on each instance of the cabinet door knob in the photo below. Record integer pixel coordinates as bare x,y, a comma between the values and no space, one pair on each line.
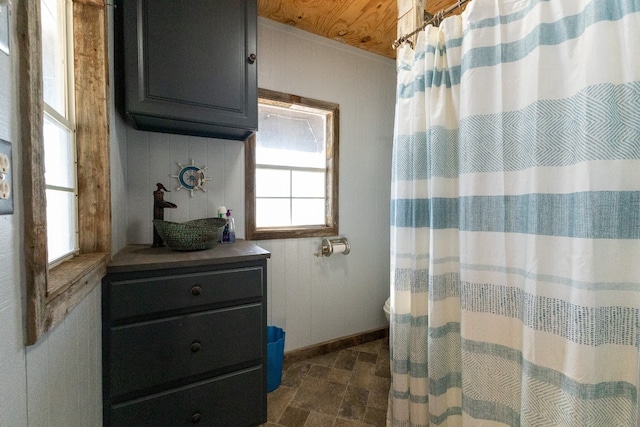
196,417
195,346
252,58
196,290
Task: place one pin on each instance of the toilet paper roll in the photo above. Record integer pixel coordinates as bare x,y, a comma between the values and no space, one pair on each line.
339,248
335,246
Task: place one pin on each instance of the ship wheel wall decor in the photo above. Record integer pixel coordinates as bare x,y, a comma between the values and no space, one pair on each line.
191,178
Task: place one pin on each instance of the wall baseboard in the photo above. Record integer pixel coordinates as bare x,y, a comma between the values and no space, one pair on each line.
338,344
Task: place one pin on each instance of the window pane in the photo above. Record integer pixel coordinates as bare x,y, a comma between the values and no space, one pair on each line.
307,184
59,158
53,54
61,223
294,168
273,183
273,212
307,212
289,137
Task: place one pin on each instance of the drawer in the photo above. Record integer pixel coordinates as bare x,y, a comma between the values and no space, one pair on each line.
148,354
235,400
150,295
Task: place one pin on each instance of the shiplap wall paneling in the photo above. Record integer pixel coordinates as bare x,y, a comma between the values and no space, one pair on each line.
139,198
154,157
13,405
64,375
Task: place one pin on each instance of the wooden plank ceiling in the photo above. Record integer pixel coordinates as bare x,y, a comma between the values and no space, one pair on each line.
365,24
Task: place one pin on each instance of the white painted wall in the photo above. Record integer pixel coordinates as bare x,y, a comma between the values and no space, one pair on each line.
313,299
13,404
318,299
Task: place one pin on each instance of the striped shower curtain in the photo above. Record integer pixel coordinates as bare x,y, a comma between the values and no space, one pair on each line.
515,218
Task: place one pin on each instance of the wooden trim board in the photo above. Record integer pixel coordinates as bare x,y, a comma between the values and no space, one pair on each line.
338,344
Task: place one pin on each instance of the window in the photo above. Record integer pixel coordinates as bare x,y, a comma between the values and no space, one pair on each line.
292,168
59,129
45,47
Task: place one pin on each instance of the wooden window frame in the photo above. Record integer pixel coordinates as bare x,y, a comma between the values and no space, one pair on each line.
53,293
331,226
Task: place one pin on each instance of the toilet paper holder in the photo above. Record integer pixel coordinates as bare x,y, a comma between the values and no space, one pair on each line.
338,245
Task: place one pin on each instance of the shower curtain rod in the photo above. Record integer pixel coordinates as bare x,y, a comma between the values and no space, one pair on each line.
438,17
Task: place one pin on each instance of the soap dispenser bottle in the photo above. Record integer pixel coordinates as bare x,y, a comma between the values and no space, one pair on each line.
229,231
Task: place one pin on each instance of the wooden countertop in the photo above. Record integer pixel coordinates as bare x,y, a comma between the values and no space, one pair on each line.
144,257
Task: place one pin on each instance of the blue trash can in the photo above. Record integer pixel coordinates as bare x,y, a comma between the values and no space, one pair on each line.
275,354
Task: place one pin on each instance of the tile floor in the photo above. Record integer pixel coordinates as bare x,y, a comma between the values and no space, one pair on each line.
349,387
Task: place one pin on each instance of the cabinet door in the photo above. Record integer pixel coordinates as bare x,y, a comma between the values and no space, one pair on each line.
149,354
189,67
234,400
152,295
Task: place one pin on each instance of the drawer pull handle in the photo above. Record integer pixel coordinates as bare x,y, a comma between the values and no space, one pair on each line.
196,290
195,346
195,418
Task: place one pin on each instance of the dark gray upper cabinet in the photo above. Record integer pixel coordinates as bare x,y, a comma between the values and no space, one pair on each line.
189,66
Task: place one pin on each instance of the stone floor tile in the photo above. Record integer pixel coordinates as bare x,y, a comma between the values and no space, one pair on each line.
324,360
362,374
375,416
277,402
372,347
379,392
363,356
293,417
317,419
380,384
344,388
341,376
354,403
317,394
346,359
341,422
294,374
318,371
383,365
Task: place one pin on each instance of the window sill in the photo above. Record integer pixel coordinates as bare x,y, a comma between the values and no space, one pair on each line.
291,232
69,283
76,272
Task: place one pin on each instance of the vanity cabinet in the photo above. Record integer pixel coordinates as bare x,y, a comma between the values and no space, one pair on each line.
184,337
189,67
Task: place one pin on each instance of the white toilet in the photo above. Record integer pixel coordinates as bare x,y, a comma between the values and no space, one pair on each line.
387,308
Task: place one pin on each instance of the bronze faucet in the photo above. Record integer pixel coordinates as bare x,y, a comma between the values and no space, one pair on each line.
159,205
